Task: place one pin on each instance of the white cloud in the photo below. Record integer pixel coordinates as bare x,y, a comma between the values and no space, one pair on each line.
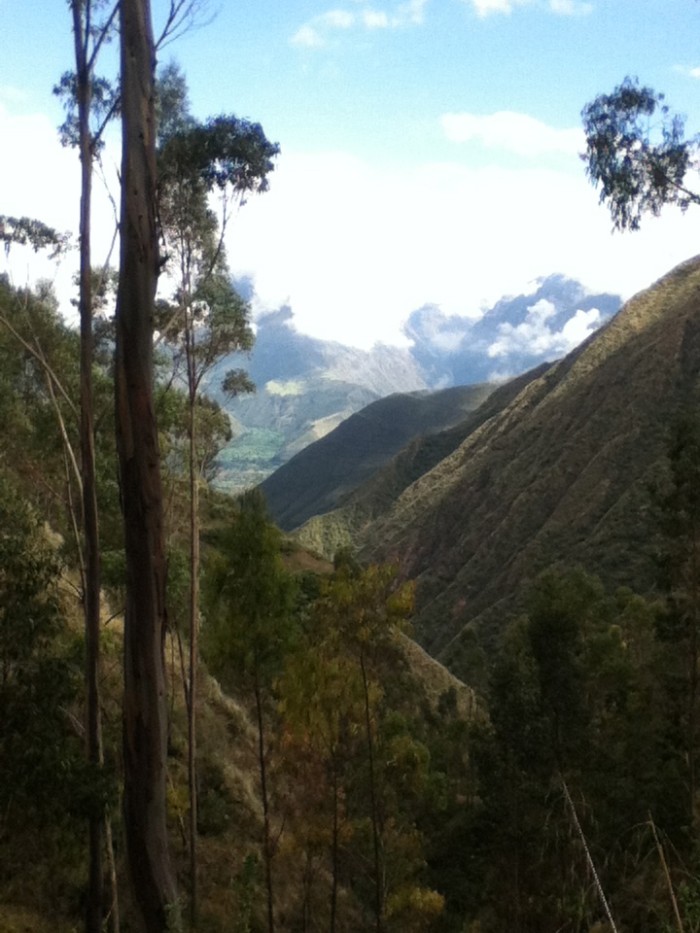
486,7
355,248
559,7
12,94
313,34
570,7
411,12
534,335
689,72
375,19
316,31
307,36
337,19
580,326
39,178
542,310
512,132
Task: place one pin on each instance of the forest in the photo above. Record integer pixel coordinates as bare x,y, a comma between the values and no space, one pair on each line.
343,783
206,726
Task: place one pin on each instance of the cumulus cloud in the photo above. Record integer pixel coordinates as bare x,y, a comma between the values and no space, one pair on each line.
558,7
313,33
692,72
429,327
355,247
485,7
12,95
535,337
317,30
570,7
518,133
412,11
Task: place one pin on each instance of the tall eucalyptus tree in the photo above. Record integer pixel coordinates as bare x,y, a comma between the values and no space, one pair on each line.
144,706
91,102
206,319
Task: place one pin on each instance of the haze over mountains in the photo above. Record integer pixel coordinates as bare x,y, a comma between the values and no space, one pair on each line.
306,387
555,466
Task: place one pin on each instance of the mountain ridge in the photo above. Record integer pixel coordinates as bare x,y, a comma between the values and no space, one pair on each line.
561,470
319,477
306,387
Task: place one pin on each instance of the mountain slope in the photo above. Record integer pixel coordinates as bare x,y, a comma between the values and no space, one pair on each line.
306,387
560,473
319,477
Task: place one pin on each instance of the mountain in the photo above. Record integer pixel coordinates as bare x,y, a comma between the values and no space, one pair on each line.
516,334
555,467
321,475
306,387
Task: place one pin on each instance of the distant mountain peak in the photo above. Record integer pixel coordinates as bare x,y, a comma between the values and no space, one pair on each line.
553,467
307,385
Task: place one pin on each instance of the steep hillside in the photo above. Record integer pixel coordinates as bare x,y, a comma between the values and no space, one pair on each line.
561,473
319,477
306,387
325,533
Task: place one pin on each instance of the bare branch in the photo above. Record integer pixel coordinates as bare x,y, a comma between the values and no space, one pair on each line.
183,16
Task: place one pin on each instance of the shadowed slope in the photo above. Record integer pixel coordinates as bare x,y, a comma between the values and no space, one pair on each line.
561,473
319,477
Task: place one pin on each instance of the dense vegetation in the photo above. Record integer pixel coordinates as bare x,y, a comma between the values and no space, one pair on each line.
341,785
331,777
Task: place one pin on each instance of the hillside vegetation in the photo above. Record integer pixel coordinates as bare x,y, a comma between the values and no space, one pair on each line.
315,678
322,475
559,473
346,779
306,387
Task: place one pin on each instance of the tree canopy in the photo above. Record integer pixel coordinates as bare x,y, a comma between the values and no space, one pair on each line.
637,153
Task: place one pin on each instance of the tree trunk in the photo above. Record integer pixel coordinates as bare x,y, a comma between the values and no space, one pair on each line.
194,619
335,847
693,674
145,708
267,835
91,582
376,838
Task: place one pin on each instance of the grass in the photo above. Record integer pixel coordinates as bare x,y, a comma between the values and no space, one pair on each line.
256,446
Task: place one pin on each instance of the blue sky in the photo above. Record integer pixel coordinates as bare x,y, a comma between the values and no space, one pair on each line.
429,148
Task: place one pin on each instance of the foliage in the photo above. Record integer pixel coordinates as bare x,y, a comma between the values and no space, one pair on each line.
366,773
576,696
640,165
46,787
27,231
248,597
212,431
206,318
104,96
224,152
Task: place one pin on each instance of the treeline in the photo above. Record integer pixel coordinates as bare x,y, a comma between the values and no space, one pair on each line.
346,773
339,792
586,770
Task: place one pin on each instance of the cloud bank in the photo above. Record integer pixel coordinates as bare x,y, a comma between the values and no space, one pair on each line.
558,7
512,132
363,16
354,247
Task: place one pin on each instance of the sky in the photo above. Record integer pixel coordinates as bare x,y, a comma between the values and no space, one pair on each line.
430,149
